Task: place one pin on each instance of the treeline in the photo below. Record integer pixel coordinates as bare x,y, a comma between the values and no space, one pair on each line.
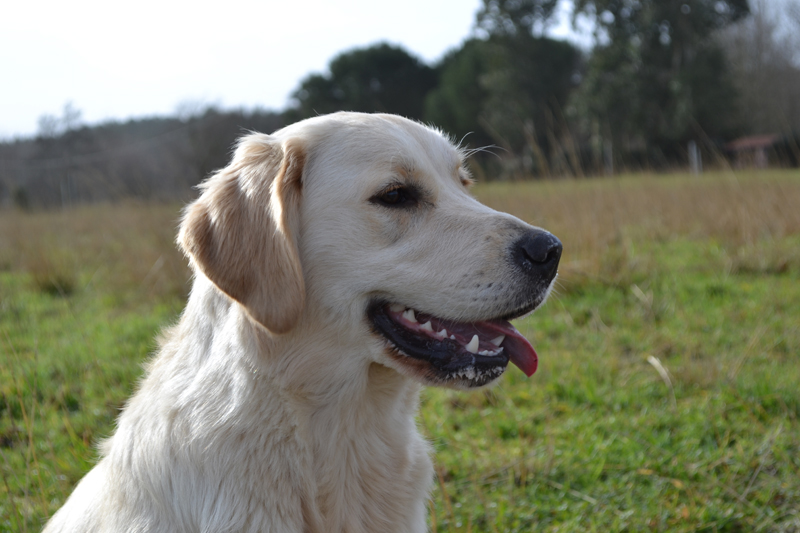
666,80
152,159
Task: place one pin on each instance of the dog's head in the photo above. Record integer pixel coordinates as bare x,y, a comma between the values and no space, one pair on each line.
363,225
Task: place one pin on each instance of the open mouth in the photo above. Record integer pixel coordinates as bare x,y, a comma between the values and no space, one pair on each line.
474,352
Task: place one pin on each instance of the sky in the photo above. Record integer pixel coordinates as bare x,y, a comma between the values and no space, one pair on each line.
116,60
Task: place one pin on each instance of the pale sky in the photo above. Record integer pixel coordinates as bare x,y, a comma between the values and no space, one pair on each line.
116,60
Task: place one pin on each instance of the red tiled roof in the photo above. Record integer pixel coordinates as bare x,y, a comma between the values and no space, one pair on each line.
752,142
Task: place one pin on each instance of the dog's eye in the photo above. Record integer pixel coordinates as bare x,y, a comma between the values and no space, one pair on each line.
396,197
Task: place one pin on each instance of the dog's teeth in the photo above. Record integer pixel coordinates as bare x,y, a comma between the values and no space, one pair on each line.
497,341
396,308
442,334
472,347
427,326
452,337
409,315
484,352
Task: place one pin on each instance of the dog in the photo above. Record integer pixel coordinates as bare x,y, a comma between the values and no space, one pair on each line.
339,264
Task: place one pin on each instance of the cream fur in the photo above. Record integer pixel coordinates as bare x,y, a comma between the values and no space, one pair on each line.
271,406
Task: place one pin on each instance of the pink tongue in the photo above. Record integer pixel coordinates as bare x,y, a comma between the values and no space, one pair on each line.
519,350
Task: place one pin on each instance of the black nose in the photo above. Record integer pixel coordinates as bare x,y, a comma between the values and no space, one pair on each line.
537,253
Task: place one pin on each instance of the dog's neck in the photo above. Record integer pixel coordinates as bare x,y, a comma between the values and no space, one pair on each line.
353,419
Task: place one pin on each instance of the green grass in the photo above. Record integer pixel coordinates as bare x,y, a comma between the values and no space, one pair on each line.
67,365
668,390
597,440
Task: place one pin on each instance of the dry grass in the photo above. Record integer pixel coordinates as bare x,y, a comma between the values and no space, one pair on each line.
599,219
125,248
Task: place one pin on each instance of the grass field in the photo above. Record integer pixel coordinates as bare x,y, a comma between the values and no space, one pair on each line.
668,390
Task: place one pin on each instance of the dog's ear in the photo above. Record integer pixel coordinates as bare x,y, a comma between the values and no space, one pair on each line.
241,233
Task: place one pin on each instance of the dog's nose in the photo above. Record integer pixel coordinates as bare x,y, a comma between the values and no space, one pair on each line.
538,253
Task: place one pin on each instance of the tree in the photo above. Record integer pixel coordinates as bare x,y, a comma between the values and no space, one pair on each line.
656,78
515,17
51,126
380,78
507,91
457,103
763,54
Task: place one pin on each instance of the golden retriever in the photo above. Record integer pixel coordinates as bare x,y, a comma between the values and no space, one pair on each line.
339,263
